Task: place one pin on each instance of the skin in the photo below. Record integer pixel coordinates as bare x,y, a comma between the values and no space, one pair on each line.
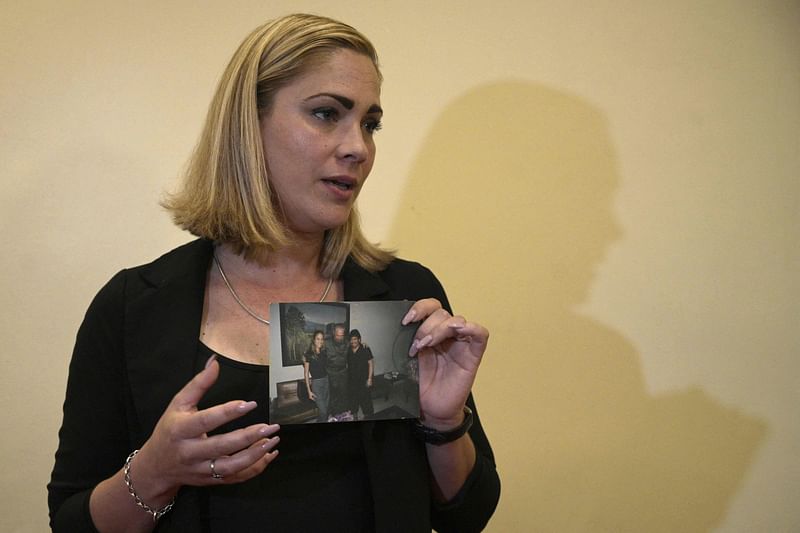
319,342
329,116
319,149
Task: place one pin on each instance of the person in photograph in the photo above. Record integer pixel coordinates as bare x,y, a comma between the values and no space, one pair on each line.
165,417
316,375
339,410
360,370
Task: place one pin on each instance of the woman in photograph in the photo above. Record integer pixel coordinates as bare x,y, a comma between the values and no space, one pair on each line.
165,418
315,376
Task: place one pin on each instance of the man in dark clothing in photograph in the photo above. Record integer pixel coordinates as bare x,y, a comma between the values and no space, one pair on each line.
336,365
361,368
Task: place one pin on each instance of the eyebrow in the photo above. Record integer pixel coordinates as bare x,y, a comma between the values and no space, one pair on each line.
347,103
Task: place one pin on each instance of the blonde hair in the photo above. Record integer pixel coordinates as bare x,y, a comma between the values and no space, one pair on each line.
226,194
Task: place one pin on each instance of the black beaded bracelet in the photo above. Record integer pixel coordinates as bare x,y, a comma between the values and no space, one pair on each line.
436,437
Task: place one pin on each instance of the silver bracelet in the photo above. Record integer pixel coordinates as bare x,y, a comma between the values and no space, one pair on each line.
156,513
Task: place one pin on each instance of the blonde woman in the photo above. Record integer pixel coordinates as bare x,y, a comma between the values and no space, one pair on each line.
166,406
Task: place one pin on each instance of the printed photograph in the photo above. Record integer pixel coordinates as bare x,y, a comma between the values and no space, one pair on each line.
341,362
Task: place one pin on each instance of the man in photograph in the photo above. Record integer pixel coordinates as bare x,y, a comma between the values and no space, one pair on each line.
361,368
336,365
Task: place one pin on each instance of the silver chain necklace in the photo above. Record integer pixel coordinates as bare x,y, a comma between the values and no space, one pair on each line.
242,304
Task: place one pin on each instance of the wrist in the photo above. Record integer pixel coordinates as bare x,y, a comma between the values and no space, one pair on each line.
443,424
153,503
150,479
438,432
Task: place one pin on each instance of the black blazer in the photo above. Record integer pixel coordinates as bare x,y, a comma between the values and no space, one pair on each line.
136,348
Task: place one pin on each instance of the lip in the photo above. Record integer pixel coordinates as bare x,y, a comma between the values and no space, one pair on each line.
343,187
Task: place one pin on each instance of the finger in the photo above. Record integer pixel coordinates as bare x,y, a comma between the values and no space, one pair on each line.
245,463
456,328
234,441
433,321
209,419
426,332
421,310
257,467
192,392
473,333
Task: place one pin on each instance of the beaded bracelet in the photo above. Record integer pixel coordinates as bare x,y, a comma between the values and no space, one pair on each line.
156,513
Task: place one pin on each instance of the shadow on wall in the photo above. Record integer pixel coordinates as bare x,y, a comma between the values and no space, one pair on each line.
510,202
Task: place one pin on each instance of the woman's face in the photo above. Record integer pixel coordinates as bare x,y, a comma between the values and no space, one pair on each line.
318,140
318,341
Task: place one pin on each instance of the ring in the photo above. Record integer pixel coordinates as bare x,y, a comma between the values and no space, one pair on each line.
214,472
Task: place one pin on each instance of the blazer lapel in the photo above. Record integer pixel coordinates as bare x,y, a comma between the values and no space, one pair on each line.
162,328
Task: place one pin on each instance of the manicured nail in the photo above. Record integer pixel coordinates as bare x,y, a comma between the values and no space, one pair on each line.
409,317
412,351
424,342
210,360
246,406
271,442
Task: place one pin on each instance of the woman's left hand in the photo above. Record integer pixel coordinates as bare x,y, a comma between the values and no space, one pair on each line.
449,349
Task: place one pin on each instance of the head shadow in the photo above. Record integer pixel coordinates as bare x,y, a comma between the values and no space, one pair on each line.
510,201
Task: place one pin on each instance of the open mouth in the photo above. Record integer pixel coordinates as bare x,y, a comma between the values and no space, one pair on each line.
341,185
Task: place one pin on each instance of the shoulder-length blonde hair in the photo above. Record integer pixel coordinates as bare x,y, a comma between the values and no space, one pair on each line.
226,194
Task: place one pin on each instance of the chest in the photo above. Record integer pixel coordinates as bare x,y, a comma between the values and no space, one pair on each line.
228,328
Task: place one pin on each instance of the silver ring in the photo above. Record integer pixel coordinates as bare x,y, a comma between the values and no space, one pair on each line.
214,471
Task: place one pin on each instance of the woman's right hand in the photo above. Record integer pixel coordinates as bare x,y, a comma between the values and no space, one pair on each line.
179,452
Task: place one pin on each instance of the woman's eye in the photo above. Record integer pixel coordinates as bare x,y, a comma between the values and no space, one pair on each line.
373,125
325,113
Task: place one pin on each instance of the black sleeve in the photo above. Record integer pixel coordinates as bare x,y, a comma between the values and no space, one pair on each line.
473,506
94,438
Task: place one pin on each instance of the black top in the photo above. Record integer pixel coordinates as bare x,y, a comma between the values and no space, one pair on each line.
337,356
358,364
319,477
316,363
138,346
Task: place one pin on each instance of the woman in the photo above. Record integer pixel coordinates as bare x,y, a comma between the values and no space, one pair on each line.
315,376
164,418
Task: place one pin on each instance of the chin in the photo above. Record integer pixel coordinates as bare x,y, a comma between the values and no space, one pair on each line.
337,219
322,224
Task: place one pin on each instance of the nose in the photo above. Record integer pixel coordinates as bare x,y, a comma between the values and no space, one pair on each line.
354,146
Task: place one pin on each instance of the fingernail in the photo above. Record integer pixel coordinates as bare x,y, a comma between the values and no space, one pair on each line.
246,406
210,360
409,317
268,443
424,342
412,351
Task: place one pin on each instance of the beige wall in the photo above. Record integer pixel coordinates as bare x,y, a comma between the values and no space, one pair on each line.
611,186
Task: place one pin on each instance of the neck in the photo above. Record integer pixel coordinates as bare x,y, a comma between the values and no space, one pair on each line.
290,264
